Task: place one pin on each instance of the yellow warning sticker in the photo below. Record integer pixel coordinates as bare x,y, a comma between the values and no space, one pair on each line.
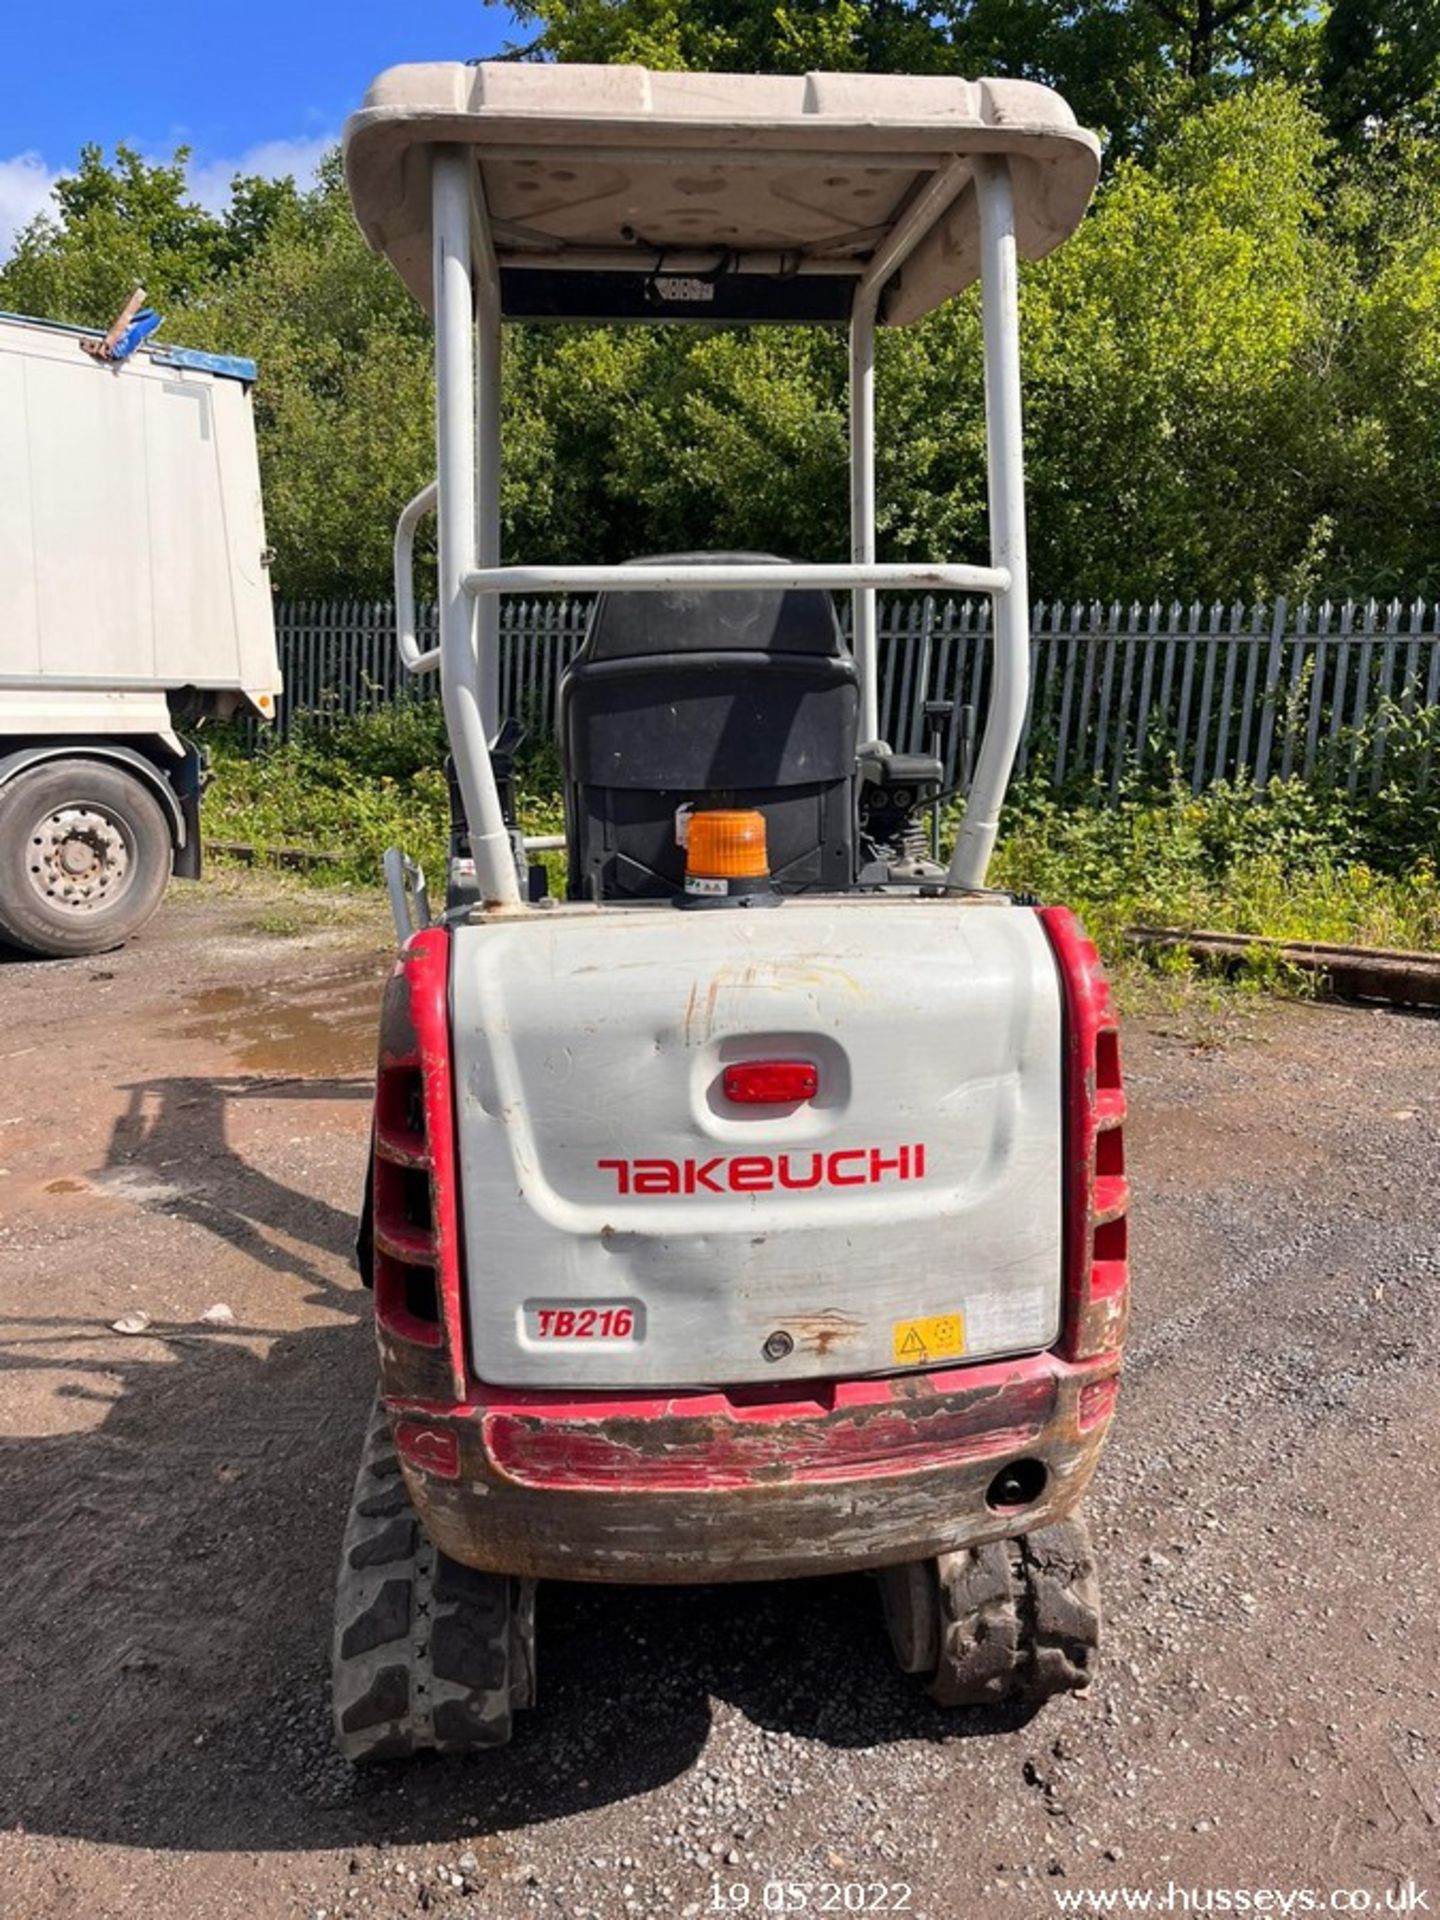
941,1337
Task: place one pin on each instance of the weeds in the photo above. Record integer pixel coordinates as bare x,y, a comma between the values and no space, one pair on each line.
1296,861
352,788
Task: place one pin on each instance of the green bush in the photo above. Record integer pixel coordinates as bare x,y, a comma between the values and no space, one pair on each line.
350,788
310,793
394,742
1295,861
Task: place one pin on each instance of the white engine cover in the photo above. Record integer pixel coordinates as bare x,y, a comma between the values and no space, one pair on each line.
627,1225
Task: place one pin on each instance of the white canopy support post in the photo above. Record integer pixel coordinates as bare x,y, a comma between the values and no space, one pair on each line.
862,508
1010,675
487,451
455,421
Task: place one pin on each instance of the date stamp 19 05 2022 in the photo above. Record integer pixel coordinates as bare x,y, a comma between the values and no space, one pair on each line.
786,1896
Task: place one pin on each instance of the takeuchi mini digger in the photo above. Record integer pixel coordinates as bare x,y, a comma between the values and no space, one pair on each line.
758,1209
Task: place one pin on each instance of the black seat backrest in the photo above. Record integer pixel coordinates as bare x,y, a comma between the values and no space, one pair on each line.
745,698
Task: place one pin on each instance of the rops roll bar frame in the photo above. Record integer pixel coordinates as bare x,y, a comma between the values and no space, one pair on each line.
467,495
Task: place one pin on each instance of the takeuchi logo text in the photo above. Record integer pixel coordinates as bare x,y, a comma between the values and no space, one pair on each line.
768,1172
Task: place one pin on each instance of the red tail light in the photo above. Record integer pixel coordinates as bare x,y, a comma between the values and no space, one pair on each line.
417,1243
1097,1193
771,1083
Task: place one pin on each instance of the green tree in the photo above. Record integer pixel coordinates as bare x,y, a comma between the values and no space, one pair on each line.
118,226
255,206
1175,352
1181,395
1379,65
129,223
1202,37
1384,382
343,403
1120,63
1232,369
734,35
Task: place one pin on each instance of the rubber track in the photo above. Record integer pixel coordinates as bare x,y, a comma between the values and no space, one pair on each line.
1019,1619
427,1653
979,1627
1059,1588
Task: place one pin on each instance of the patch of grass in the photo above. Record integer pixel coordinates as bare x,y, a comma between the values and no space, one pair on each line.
289,923
1289,862
1204,1011
1295,862
351,788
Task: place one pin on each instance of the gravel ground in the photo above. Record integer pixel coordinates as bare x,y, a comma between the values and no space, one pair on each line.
183,1130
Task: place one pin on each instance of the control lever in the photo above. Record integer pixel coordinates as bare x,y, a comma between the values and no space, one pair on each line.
938,713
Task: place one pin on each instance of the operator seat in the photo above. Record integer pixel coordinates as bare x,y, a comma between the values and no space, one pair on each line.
743,699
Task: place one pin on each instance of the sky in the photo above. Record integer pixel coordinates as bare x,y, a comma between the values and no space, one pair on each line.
260,89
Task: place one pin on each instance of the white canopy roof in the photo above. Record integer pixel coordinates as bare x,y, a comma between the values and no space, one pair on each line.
771,191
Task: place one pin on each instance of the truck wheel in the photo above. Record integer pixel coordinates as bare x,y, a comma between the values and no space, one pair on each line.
85,853
427,1653
1009,1620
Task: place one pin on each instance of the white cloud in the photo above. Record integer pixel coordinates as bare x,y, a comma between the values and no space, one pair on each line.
272,159
25,184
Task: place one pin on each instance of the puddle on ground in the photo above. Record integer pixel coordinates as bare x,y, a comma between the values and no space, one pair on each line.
317,1024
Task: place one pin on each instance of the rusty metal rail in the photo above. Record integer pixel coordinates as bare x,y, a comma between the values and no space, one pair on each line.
1401,978
296,859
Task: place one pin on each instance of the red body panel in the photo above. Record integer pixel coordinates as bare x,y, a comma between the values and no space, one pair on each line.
1097,1199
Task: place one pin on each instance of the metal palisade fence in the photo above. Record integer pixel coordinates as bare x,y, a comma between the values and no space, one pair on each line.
1237,691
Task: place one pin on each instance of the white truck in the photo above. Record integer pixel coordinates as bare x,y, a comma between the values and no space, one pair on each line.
134,603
